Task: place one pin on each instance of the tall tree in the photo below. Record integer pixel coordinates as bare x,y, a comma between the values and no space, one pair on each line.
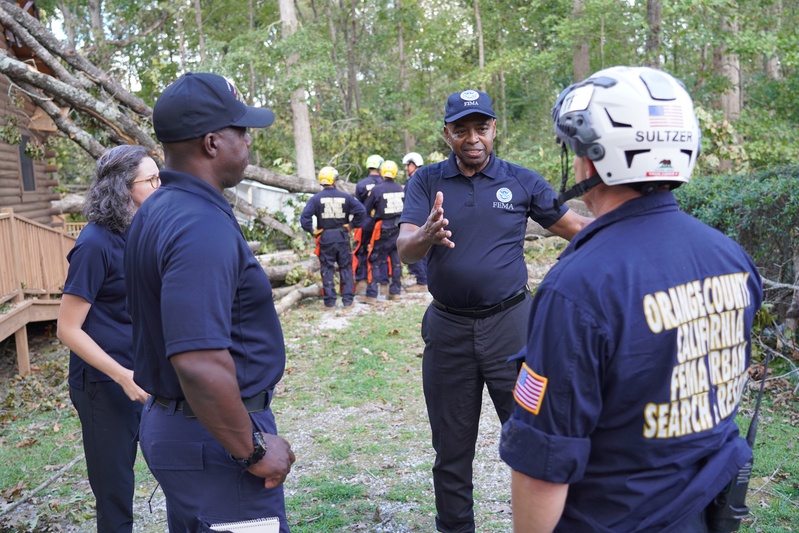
654,15
582,59
303,141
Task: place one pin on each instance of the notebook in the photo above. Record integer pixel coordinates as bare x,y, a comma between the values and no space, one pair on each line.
259,525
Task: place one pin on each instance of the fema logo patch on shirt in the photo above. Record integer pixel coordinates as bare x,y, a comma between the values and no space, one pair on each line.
504,195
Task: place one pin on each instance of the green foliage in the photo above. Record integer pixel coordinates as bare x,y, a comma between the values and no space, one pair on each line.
759,210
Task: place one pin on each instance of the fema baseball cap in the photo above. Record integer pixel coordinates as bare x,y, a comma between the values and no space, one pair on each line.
467,102
198,103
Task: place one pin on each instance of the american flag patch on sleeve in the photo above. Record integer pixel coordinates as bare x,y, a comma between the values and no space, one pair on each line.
529,390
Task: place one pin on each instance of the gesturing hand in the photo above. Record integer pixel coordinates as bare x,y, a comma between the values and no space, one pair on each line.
434,228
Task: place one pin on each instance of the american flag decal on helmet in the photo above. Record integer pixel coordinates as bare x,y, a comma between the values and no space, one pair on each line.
529,390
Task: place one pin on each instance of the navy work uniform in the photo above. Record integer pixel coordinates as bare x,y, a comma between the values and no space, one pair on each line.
478,317
637,355
109,419
336,213
361,255
193,284
385,204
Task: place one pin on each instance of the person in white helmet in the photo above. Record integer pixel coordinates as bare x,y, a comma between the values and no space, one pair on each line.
639,337
412,161
363,235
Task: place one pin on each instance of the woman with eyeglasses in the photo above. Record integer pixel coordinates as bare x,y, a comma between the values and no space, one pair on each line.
94,323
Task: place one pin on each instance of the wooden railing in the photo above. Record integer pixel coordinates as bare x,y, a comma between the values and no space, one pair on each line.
33,268
73,228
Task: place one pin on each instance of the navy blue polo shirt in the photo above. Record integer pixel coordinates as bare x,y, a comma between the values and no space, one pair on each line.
333,209
638,349
95,274
193,284
386,202
487,216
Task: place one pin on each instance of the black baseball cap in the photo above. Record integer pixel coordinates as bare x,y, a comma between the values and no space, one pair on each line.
199,103
467,102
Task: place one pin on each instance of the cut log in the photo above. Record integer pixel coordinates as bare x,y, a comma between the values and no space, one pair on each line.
296,296
277,274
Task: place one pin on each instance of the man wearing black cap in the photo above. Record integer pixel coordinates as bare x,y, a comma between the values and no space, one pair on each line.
478,277
208,343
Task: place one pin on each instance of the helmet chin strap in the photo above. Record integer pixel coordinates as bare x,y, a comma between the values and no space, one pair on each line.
580,189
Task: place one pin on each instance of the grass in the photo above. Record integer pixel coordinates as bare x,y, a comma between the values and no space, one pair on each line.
351,404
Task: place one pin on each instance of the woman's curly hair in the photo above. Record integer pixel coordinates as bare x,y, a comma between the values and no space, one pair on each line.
108,202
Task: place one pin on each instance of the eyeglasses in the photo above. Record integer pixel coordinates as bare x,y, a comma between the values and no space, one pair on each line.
155,181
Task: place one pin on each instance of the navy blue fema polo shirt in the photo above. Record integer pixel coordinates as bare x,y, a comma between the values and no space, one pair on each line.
487,216
193,284
95,274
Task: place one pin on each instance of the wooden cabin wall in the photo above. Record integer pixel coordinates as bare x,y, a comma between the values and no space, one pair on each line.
34,204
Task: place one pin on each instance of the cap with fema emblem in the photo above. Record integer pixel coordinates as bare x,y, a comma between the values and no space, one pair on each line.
197,104
467,102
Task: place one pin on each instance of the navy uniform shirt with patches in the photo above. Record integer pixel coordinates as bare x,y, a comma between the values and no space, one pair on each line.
193,284
642,330
95,274
362,191
333,209
487,216
386,202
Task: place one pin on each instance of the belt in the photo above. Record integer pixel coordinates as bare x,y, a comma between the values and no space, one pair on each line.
487,311
259,402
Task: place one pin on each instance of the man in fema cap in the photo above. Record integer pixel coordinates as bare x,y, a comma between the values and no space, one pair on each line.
207,340
478,279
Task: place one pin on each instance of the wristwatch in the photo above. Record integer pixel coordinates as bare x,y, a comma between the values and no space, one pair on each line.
258,452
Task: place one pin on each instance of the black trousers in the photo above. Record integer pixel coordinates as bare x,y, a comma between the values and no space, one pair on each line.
110,424
461,356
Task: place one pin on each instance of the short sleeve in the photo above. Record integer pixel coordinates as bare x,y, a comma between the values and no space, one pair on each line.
88,267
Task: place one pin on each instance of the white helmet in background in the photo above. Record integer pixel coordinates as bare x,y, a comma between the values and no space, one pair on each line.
636,124
413,157
374,161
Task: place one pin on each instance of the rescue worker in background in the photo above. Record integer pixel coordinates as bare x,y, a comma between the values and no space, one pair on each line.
336,213
478,280
385,205
624,417
363,235
413,161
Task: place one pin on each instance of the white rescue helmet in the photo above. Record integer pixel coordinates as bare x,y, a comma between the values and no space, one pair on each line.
636,124
374,161
413,157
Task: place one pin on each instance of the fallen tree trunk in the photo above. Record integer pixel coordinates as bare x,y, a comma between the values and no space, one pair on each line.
296,296
278,274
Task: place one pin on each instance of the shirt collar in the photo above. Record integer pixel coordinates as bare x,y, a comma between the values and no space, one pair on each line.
661,201
191,184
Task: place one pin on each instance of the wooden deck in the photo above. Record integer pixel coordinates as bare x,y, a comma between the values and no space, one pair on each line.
33,269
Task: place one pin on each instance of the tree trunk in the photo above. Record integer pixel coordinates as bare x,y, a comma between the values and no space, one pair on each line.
198,20
728,65
352,70
303,143
481,58
407,137
582,59
654,15
296,296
